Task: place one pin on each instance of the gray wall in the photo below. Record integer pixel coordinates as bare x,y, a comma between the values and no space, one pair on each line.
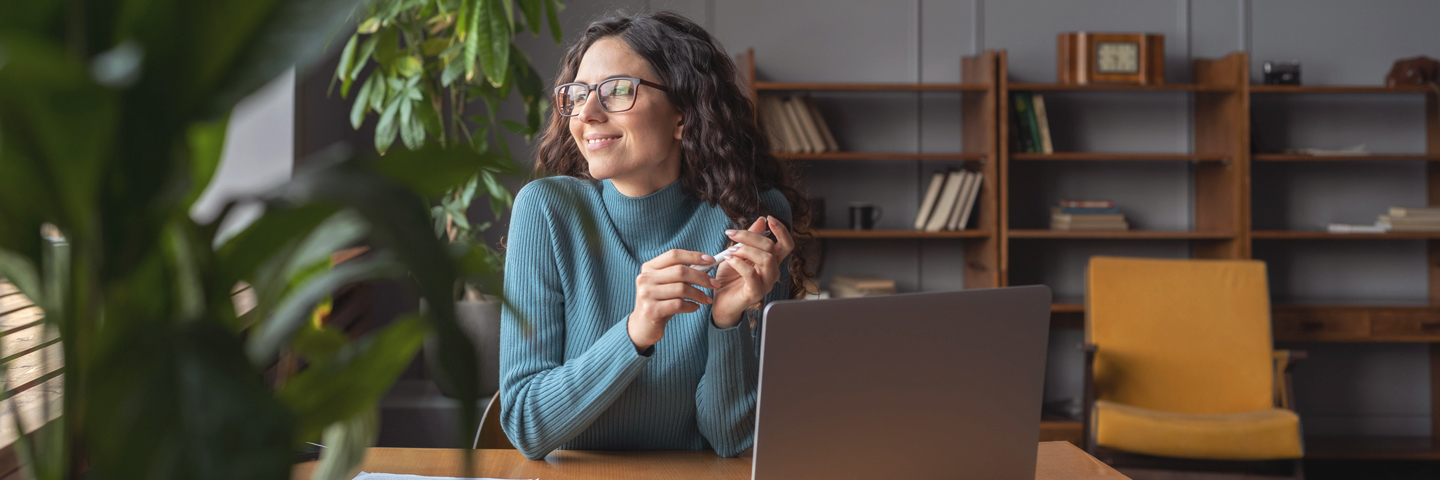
1344,388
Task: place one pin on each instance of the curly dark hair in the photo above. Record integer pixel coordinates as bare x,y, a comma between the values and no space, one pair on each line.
724,157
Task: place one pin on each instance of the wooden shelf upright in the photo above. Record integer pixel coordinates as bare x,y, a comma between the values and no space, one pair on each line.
979,98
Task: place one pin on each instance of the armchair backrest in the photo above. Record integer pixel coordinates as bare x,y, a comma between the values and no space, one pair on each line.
1185,336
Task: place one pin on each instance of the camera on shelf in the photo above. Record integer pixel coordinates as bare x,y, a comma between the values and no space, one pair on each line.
1282,73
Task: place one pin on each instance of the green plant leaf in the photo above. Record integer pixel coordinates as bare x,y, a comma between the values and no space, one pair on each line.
345,443
493,35
347,61
294,310
379,93
388,127
533,10
387,47
362,103
411,133
267,237
552,13
409,66
435,46
509,13
363,56
355,380
433,170
207,142
189,405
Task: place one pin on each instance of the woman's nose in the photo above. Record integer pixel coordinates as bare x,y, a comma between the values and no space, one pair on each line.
590,111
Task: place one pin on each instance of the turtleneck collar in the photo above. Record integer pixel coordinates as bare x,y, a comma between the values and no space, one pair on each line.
652,218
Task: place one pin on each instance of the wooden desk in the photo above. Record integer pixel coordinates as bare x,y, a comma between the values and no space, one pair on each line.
1056,460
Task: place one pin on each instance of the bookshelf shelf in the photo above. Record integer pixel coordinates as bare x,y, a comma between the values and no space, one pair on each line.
1067,308
869,87
1172,87
1374,157
1122,234
1121,157
883,156
1339,89
900,234
1318,235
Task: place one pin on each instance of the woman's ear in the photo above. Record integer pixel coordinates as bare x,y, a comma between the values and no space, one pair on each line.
679,128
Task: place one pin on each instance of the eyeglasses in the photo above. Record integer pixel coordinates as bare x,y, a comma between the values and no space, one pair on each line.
616,95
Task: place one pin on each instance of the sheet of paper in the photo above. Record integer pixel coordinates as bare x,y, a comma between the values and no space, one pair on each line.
397,476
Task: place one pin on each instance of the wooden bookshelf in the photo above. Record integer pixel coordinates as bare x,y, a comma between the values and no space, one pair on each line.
1122,234
1373,157
1221,176
1340,89
1319,235
1117,157
979,91
977,157
901,234
1175,87
869,87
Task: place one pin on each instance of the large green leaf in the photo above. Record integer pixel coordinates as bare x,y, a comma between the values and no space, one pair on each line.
355,380
207,143
294,309
435,170
180,402
493,35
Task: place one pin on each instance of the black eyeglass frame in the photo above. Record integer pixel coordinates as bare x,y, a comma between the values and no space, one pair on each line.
592,88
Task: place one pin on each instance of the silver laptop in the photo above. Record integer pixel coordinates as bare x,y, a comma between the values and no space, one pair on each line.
922,385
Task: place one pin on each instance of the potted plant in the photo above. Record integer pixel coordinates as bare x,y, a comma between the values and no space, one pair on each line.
112,121
431,63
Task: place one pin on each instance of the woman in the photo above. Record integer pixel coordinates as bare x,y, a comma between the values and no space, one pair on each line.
610,339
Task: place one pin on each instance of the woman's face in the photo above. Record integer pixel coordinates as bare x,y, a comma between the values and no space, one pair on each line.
638,149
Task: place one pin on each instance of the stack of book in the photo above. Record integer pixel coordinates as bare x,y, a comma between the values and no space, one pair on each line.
860,286
949,199
794,125
1029,125
1411,219
1087,215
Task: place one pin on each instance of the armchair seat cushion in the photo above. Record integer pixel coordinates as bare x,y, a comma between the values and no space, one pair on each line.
1255,435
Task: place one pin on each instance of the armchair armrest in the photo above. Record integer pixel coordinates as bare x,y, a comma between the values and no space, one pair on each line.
1087,401
1284,361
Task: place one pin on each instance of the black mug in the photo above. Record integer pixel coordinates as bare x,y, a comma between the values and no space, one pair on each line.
863,216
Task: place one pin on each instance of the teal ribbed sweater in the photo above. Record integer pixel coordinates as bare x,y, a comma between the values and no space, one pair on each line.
570,378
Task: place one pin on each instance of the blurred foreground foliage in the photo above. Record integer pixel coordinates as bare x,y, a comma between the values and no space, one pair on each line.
112,121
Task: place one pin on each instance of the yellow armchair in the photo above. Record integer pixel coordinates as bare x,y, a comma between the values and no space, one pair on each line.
1180,362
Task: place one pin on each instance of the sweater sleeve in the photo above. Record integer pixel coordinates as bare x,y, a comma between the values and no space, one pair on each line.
546,401
725,399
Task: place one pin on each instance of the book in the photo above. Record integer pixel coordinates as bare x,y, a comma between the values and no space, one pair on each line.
1085,227
927,205
802,139
1021,123
1032,124
1345,228
777,111
771,125
948,196
967,179
830,143
807,123
970,200
1409,224
1415,212
1038,104
1081,210
1087,204
1056,214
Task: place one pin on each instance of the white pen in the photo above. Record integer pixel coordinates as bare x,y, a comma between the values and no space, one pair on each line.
722,256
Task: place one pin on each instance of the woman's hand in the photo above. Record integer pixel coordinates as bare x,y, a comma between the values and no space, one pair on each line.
751,272
661,290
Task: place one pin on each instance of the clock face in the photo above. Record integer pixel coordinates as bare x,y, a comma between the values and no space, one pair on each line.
1117,57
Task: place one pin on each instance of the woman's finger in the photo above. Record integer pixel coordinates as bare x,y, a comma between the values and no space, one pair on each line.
783,240
747,272
677,257
672,307
754,236
679,291
763,261
682,274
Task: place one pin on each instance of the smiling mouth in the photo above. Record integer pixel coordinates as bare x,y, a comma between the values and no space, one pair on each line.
596,143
